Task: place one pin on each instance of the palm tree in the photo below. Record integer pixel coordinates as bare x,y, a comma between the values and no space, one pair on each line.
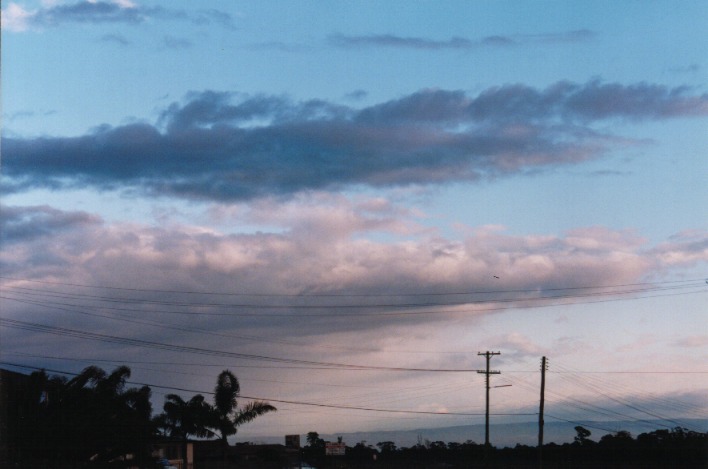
228,417
186,418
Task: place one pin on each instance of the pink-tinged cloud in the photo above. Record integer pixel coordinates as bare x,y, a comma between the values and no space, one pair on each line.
685,248
517,346
326,254
694,341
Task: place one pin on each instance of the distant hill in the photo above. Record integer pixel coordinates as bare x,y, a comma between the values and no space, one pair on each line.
500,435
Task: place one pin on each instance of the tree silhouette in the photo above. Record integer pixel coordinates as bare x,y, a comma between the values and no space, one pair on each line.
91,417
582,435
184,418
314,440
227,417
187,418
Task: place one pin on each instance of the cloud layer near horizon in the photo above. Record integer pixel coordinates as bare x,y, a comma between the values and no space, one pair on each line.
320,252
226,147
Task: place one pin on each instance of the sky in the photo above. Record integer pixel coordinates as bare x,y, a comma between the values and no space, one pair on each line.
345,203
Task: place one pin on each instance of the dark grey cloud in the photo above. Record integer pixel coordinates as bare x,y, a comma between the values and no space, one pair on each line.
87,12
391,40
225,146
29,223
100,12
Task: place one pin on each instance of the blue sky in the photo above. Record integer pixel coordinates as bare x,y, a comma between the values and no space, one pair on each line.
284,179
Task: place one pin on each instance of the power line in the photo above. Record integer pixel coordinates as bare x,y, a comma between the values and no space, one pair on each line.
488,355
577,404
283,401
545,302
634,406
584,424
323,295
42,328
540,297
173,363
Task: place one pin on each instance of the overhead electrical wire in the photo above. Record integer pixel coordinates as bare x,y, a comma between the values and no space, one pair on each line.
191,328
292,402
574,403
72,308
180,364
315,295
583,424
521,303
401,305
46,298
588,385
35,327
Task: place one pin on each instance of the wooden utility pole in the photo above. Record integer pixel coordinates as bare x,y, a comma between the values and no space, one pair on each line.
544,366
487,372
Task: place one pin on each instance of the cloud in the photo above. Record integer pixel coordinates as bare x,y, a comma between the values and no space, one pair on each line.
695,341
390,40
213,16
230,147
319,247
17,19
313,281
24,224
20,115
117,38
172,42
516,346
685,247
578,35
356,95
88,12
692,68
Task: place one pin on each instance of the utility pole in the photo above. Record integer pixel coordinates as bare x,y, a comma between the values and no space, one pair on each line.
544,367
487,372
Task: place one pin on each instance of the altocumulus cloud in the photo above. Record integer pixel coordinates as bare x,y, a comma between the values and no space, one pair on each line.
227,147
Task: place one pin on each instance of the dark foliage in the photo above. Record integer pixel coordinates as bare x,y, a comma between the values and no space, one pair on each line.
90,420
676,448
94,420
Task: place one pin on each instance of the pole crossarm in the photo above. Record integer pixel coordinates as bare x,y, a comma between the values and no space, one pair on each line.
541,423
488,355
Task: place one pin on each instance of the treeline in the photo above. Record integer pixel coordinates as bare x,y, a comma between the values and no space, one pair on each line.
92,418
96,420
675,448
